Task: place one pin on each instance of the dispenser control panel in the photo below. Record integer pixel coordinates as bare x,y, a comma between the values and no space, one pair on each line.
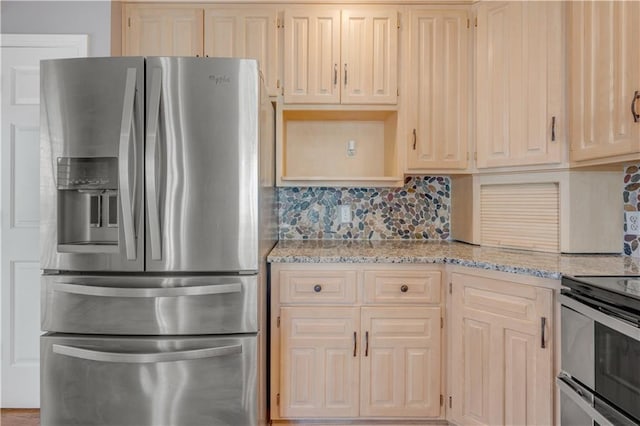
87,173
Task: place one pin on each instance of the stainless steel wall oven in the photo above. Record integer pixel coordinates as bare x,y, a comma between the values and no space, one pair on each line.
600,377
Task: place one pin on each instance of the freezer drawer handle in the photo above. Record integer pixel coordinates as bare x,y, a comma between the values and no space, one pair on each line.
127,132
150,164
145,358
147,292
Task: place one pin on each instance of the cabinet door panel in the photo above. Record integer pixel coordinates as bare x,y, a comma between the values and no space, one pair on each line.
604,65
244,33
312,55
162,31
319,372
369,56
498,116
519,84
438,90
502,375
542,71
476,367
400,369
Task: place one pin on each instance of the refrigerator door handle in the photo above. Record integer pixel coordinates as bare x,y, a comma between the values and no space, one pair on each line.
150,164
126,188
145,358
147,292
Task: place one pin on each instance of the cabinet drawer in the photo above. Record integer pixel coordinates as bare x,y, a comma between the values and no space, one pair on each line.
317,286
402,287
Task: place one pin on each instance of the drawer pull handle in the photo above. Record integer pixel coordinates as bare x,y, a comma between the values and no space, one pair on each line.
404,288
145,358
634,114
317,288
89,290
543,329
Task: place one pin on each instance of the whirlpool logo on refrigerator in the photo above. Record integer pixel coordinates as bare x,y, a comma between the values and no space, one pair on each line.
220,79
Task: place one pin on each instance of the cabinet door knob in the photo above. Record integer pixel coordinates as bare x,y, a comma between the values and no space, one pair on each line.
317,288
404,288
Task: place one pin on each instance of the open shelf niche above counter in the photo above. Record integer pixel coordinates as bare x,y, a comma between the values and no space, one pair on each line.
337,147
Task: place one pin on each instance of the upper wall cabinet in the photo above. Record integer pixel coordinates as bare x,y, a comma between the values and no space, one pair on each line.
437,87
519,101
154,30
244,32
351,63
604,88
238,32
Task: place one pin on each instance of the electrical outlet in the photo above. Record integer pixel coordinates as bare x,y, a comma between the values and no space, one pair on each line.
345,213
633,222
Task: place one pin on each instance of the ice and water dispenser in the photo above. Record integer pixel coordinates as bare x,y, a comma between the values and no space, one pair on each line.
87,204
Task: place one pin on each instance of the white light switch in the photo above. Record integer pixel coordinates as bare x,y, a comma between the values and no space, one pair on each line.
345,213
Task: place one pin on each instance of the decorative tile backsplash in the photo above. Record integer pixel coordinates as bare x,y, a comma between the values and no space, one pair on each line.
419,210
631,196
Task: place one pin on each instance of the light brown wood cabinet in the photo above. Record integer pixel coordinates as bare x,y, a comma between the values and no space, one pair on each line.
244,32
501,352
237,32
376,357
338,56
519,90
604,88
162,30
439,102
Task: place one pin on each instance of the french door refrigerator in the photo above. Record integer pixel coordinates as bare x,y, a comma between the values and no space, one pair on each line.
158,211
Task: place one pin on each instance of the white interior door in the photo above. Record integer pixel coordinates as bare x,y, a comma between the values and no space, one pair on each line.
19,183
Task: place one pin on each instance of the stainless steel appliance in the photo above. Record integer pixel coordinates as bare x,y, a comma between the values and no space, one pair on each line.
157,200
600,368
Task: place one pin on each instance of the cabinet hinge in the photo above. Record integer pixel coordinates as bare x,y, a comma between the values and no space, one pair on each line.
278,323
278,399
450,403
441,400
450,292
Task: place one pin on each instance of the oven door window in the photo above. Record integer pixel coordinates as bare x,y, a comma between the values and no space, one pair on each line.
618,369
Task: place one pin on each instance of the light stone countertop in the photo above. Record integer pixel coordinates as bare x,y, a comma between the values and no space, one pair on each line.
544,265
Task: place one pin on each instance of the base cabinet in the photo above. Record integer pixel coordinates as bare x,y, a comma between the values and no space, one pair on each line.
501,352
400,374
334,357
320,374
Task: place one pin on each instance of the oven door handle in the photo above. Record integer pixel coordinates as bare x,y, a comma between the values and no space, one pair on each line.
145,358
608,320
584,398
88,290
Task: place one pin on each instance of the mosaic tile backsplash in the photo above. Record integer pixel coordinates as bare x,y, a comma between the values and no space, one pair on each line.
419,210
631,196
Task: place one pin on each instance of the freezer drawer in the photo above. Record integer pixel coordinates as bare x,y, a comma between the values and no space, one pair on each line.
157,305
145,381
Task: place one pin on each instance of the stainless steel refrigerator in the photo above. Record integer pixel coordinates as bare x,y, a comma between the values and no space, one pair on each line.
158,211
